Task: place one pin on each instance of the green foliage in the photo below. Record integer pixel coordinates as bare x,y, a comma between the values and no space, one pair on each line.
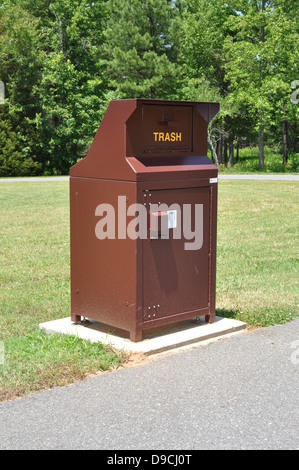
70,111
70,92
203,30
263,61
62,62
20,68
262,57
51,66
247,51
138,50
13,160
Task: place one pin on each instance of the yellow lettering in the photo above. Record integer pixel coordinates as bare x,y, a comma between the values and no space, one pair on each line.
167,136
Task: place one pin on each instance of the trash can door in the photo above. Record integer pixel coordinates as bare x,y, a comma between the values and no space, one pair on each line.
176,252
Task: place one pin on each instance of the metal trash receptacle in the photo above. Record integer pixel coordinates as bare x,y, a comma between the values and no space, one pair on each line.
143,213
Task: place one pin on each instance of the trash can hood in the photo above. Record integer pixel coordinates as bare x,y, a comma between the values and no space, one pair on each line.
141,136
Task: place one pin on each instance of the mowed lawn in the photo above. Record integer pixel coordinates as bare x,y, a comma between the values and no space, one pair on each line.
35,287
257,274
34,257
258,251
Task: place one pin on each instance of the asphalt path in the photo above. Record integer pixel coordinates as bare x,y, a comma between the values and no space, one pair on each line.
237,393
271,177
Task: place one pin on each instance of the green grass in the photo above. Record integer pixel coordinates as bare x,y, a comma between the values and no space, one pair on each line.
38,361
258,251
34,288
257,275
34,255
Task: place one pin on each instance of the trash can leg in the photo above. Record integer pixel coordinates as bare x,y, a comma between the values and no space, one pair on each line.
136,335
76,318
210,318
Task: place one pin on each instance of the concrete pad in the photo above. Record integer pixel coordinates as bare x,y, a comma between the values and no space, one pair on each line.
154,340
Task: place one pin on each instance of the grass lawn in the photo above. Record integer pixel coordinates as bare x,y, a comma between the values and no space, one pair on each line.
35,287
257,275
258,251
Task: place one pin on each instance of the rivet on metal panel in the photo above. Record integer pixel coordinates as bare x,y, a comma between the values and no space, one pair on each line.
76,194
77,291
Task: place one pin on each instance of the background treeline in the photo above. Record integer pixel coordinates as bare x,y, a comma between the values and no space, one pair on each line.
62,61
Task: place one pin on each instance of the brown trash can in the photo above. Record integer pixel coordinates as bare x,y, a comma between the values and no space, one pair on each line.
143,210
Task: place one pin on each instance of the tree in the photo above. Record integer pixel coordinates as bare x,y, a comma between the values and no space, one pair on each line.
203,31
261,61
71,91
282,53
138,49
204,28
20,69
14,161
54,75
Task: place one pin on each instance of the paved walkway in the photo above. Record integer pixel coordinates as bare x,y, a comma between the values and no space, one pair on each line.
260,177
34,178
236,393
272,177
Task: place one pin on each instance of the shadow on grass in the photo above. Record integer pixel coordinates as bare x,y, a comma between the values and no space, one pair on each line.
222,312
236,315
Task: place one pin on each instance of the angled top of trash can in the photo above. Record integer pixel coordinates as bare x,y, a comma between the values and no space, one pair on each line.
142,139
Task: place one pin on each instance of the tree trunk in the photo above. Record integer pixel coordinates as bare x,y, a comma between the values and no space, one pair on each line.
285,141
225,152
295,137
231,150
238,147
219,150
212,147
261,145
